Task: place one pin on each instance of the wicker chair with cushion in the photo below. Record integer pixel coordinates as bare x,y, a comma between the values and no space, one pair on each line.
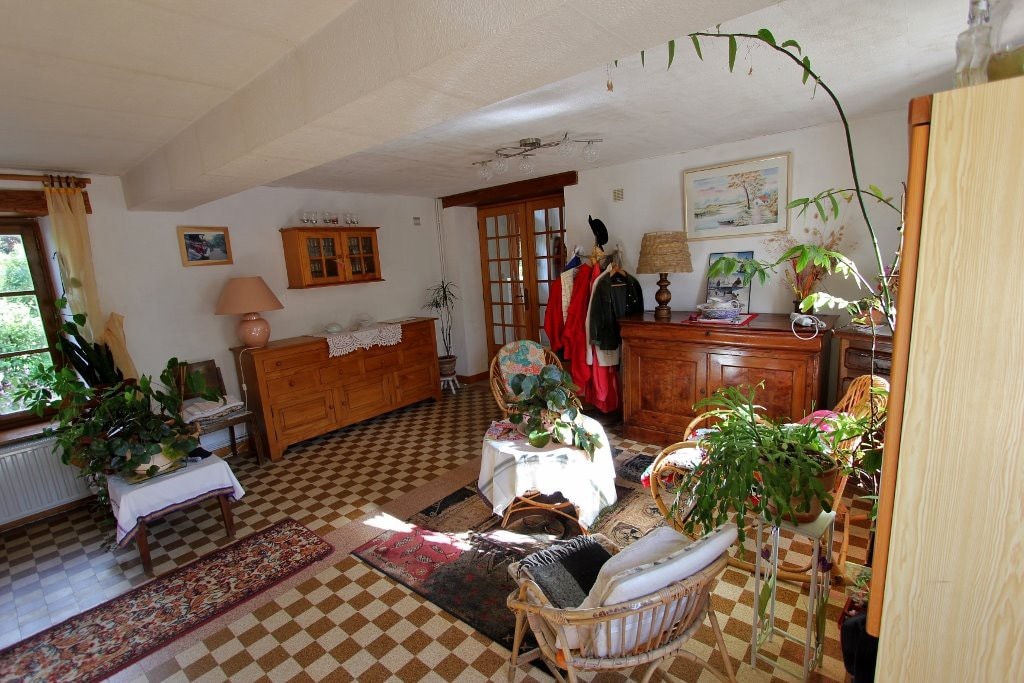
639,609
865,393
519,357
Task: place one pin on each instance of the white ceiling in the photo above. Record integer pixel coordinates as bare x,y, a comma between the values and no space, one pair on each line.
97,86
874,54
191,99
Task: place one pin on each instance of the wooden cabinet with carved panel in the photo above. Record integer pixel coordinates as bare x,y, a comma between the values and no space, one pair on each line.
298,391
855,357
669,366
317,257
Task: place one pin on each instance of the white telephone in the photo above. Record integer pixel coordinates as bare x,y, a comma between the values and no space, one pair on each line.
805,320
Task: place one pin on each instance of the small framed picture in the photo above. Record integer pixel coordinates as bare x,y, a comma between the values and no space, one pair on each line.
730,287
202,246
742,198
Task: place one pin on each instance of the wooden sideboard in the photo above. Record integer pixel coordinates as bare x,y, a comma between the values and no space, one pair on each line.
297,391
855,357
669,366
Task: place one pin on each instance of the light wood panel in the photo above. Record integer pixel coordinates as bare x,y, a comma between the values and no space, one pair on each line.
920,128
954,592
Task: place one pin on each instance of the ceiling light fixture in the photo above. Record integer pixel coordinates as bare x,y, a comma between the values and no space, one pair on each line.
527,148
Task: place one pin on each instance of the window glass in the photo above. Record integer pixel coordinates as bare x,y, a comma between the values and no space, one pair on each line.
26,311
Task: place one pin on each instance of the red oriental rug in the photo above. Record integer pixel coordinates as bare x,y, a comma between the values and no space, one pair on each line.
109,637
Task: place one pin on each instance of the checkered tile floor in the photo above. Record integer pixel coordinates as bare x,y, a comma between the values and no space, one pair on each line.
348,621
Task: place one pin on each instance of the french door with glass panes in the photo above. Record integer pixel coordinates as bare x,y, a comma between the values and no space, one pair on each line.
522,251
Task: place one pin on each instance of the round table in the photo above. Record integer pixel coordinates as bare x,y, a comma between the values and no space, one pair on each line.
514,475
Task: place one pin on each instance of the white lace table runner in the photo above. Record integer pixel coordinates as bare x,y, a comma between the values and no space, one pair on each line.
346,342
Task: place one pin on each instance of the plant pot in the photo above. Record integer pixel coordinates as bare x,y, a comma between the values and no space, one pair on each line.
161,460
828,481
447,365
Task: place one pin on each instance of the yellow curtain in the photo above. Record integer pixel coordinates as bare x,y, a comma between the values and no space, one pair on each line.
66,206
113,337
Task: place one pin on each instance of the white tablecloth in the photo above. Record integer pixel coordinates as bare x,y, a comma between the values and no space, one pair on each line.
513,468
153,498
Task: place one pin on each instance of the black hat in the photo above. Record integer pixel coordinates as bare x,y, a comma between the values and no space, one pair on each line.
600,232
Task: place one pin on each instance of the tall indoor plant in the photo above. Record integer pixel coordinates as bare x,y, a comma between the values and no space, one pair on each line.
752,464
441,299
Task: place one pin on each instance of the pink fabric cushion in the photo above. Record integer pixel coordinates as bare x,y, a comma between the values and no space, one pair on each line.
522,357
820,419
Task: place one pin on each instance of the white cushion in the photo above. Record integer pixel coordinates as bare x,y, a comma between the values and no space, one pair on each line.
657,544
636,582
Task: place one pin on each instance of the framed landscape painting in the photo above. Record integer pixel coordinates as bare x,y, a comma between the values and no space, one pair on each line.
201,246
742,198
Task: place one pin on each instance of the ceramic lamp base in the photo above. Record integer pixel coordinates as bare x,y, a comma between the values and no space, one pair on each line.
253,331
663,296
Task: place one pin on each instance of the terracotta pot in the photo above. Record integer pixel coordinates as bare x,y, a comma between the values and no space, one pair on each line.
447,365
828,480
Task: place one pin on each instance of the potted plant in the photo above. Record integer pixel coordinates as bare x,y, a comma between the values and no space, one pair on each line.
546,407
441,300
107,424
133,426
751,464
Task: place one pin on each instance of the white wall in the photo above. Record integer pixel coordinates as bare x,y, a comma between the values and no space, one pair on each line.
462,266
168,307
653,201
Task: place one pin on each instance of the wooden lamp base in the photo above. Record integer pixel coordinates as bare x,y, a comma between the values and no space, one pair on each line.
662,311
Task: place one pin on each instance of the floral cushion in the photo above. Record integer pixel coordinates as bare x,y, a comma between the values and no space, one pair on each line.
523,357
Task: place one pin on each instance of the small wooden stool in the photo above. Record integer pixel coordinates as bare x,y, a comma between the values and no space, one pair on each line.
451,382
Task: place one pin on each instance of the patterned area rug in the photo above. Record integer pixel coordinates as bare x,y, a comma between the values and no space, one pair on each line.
455,554
107,638
630,465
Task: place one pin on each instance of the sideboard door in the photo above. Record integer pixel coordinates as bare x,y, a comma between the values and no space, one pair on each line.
666,379
785,392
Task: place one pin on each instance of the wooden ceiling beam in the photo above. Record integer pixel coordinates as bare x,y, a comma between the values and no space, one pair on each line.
512,192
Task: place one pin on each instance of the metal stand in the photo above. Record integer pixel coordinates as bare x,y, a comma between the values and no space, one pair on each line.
764,627
450,382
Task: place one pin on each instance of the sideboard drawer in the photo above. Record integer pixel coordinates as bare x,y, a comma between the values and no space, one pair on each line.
291,382
274,365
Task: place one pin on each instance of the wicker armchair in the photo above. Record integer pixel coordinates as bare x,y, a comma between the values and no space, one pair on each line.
524,356
668,467
646,631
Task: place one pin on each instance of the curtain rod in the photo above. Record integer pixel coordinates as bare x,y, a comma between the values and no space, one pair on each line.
41,178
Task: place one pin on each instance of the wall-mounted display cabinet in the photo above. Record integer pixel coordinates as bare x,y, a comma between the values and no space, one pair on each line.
317,257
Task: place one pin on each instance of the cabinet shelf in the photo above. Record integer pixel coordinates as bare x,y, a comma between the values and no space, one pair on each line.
327,256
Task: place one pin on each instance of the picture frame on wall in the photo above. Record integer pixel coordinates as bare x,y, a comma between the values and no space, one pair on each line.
204,246
731,286
741,198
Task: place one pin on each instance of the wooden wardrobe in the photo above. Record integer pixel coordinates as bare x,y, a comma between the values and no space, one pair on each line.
947,595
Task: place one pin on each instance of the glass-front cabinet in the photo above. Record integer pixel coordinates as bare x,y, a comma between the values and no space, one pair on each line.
318,257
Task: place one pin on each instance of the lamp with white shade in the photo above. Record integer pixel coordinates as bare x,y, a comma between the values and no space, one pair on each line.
247,296
663,253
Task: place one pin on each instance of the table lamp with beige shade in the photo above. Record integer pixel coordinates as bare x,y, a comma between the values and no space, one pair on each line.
247,296
663,253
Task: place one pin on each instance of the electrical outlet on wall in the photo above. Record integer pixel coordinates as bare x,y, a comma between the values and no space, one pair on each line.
415,220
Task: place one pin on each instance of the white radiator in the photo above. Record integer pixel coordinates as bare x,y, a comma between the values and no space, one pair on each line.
33,479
